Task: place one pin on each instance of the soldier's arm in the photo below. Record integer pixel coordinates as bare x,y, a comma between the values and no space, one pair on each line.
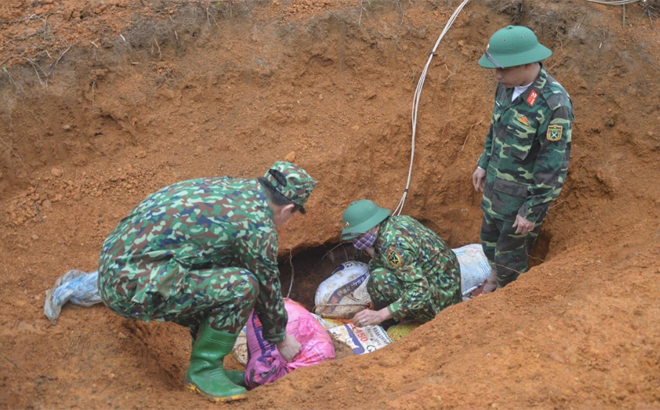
415,293
375,263
485,155
551,164
260,256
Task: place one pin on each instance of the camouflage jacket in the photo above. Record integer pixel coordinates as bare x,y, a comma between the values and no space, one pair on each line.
419,259
527,150
199,224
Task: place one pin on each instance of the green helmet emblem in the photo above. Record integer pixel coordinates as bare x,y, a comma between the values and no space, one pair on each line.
361,216
513,46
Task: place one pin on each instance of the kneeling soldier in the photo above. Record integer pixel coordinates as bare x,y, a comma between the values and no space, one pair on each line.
413,273
203,254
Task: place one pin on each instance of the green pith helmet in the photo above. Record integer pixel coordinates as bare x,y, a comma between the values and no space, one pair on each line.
291,181
513,46
361,216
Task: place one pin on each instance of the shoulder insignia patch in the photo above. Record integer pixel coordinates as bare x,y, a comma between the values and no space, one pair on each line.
554,132
393,258
533,95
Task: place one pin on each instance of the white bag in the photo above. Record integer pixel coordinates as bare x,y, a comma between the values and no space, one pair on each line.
361,339
344,293
240,349
75,286
474,267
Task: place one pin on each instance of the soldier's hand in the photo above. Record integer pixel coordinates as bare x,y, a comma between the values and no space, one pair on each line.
289,347
490,284
479,179
523,226
368,317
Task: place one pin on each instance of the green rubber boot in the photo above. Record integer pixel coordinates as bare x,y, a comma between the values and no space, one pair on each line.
236,376
206,375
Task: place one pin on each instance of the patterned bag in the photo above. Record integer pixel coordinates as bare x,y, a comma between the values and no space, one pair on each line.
265,364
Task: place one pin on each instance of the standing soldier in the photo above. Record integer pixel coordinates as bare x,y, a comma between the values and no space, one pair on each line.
203,254
523,166
413,274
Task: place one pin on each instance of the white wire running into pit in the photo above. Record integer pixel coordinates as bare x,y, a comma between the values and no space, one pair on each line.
418,93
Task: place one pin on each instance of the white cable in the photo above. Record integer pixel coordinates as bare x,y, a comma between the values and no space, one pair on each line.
418,93
614,2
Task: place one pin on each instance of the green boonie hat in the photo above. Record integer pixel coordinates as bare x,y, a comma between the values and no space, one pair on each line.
292,182
513,46
361,216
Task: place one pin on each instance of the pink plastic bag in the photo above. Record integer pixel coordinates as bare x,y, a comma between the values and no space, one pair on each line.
265,364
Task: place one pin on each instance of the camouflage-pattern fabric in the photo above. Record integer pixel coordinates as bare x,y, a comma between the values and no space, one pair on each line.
507,252
526,158
298,184
527,150
414,273
225,297
204,248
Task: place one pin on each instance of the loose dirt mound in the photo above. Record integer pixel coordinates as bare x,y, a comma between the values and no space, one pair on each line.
104,102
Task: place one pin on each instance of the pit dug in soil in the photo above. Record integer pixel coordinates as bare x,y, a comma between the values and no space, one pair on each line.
105,102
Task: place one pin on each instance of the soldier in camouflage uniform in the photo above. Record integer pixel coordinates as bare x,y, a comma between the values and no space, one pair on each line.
203,254
523,166
413,273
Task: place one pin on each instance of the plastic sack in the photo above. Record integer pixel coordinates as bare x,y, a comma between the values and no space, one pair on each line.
344,293
328,323
265,364
401,330
78,287
474,267
240,349
361,339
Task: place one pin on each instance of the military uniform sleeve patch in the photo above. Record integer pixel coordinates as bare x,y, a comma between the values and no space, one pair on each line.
554,132
393,258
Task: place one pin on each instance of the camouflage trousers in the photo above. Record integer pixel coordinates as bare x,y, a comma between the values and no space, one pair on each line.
507,252
385,288
223,296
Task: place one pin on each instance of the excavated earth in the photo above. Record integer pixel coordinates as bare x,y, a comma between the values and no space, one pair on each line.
105,101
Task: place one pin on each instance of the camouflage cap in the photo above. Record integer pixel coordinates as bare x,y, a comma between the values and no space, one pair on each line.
292,182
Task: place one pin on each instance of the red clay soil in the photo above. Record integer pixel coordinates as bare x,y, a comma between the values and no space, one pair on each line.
105,101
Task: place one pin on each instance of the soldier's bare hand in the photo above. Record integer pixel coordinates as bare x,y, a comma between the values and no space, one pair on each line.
523,226
490,284
479,179
368,317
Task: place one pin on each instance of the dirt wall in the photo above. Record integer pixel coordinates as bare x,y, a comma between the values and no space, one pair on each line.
105,102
